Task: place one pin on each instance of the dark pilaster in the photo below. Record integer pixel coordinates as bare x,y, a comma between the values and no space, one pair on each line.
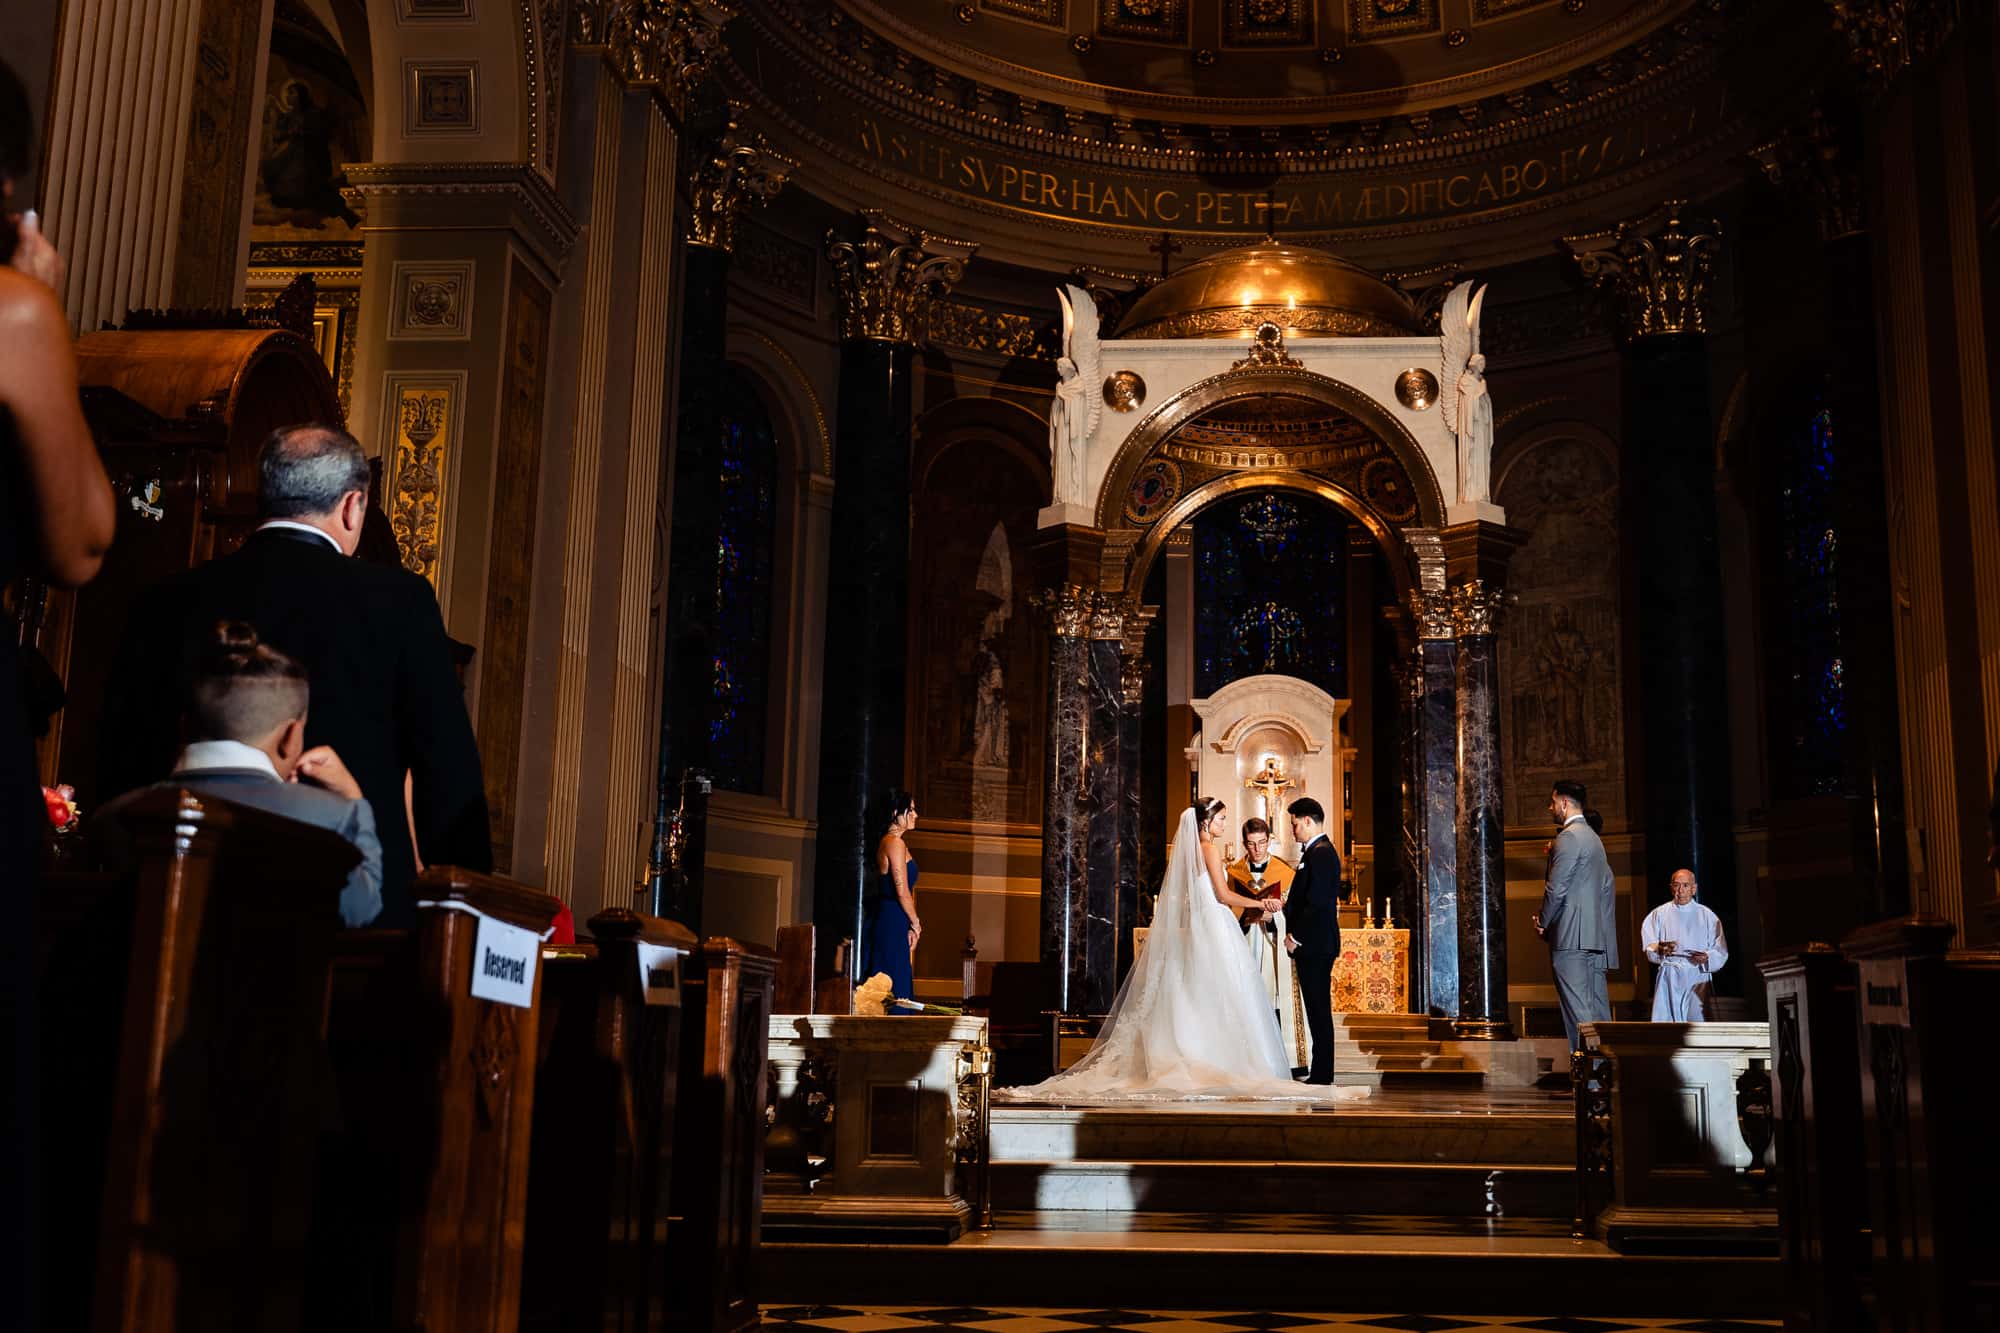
739,170
1659,267
884,281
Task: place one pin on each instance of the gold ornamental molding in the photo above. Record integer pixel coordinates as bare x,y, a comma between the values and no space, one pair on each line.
1431,608
1107,619
846,97
1476,608
665,45
740,169
1658,266
1887,37
1820,163
1066,609
886,280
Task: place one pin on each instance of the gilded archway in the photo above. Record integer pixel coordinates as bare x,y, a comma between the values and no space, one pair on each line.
1281,427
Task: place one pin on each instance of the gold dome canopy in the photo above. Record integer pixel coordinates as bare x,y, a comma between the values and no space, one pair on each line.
1229,294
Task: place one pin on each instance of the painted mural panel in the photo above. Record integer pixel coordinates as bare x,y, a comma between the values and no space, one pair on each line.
978,677
1560,670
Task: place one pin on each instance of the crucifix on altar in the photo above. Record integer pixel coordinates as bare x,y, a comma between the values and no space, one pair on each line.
1271,783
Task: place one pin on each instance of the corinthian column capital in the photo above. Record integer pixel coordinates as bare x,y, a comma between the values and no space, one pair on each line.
739,169
1431,609
1886,37
1476,607
1659,267
665,45
1066,609
886,280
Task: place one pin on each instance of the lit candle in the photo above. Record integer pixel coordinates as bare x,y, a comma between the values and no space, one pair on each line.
1388,912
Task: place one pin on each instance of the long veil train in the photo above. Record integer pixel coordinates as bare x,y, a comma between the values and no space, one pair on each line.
1193,1020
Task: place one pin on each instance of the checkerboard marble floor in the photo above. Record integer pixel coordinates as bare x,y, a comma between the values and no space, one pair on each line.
849,1319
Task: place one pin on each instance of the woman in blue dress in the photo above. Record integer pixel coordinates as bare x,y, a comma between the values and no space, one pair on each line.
892,928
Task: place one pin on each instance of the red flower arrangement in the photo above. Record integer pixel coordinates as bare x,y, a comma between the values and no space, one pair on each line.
60,803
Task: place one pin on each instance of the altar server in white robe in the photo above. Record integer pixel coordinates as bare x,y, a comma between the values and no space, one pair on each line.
1685,942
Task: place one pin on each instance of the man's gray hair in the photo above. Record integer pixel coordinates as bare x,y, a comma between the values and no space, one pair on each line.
305,470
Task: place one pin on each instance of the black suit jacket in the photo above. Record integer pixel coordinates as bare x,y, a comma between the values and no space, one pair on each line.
384,692
1312,908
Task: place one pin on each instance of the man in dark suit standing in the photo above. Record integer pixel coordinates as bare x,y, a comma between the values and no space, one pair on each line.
384,692
1312,925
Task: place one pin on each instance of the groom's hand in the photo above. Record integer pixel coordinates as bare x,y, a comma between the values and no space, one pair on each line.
1291,945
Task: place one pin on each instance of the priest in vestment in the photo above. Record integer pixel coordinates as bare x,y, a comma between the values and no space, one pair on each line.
1684,940
1260,874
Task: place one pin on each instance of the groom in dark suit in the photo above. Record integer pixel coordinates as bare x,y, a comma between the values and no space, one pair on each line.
1312,926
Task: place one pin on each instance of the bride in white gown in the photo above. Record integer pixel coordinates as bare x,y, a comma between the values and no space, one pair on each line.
1193,1020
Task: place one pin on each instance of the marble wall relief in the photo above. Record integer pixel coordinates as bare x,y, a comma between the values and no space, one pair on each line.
976,685
1561,676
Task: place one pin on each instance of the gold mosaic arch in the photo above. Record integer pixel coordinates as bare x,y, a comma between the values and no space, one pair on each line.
1383,458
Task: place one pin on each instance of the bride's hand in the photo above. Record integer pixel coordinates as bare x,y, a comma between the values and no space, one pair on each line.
1272,906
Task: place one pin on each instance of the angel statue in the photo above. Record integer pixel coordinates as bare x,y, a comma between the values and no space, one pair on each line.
1079,395
1462,391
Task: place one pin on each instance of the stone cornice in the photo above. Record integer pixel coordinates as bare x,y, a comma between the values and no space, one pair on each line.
1650,70
394,193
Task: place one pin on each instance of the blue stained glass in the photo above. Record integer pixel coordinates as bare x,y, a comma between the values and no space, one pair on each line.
1270,578
740,671
1815,704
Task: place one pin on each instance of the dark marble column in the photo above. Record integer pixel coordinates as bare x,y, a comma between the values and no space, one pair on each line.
884,280
1432,681
1131,798
738,170
1437,819
1104,748
1658,266
1065,819
1482,822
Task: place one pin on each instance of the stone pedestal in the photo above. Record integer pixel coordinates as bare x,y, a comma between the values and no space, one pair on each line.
1679,1159
907,1108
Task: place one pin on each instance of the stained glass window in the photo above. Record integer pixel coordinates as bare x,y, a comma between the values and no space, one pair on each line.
1271,591
741,668
1815,700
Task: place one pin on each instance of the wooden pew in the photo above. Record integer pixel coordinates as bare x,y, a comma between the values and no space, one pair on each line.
719,1132
423,1185
181,1068
602,1146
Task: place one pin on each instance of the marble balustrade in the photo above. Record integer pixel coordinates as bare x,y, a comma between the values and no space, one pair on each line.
1682,1171
896,1108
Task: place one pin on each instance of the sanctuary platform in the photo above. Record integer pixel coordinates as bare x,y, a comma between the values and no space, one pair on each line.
1464,1197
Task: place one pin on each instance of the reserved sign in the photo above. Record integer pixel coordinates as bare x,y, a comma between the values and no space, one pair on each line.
503,964
660,973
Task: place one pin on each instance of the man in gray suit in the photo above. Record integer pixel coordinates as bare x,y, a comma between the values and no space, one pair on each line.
1579,913
248,720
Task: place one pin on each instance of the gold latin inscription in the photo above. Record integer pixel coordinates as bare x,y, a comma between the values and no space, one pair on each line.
1385,197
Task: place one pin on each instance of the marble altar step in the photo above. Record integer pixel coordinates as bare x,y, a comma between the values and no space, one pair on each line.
1523,1269
1392,1157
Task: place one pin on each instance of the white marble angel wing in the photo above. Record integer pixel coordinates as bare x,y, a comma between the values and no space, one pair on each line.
1455,346
1084,347
1477,304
